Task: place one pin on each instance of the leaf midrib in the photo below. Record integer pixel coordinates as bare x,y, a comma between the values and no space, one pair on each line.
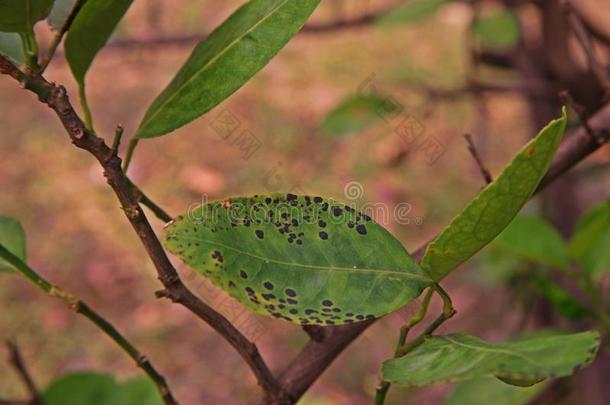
214,59
405,274
488,349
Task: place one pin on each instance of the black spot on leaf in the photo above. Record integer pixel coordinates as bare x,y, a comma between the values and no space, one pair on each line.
361,229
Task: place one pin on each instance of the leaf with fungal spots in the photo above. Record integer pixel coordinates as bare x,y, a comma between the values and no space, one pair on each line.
309,260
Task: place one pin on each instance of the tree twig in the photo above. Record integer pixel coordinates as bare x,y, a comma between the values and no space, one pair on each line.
584,39
57,99
17,362
567,99
82,308
475,155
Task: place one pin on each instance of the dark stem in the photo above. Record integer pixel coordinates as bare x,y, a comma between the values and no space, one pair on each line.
475,155
82,308
57,99
16,360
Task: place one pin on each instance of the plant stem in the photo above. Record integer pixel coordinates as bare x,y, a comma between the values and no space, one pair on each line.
129,154
17,361
118,135
48,56
147,202
404,348
82,308
30,50
383,388
85,105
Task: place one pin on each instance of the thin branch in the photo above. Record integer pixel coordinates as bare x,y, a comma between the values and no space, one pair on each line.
567,99
82,308
57,99
151,205
16,360
384,386
48,56
475,155
584,39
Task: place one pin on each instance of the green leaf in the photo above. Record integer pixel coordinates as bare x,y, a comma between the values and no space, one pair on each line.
83,388
562,301
88,388
225,61
496,206
520,362
536,240
590,244
12,237
60,12
89,32
21,15
305,259
412,11
10,45
353,115
490,390
140,391
499,30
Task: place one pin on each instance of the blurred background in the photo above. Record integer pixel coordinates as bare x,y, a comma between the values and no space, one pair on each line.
368,104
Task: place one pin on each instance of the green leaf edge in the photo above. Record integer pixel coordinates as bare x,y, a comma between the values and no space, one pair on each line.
424,263
593,351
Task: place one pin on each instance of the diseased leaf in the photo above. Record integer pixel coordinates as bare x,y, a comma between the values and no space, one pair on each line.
353,115
89,32
85,388
490,390
590,244
225,61
60,12
520,362
496,206
21,15
534,239
12,237
10,45
499,30
412,11
305,259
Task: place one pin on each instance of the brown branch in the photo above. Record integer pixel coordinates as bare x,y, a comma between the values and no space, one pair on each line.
568,100
16,360
584,39
314,359
475,155
57,99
